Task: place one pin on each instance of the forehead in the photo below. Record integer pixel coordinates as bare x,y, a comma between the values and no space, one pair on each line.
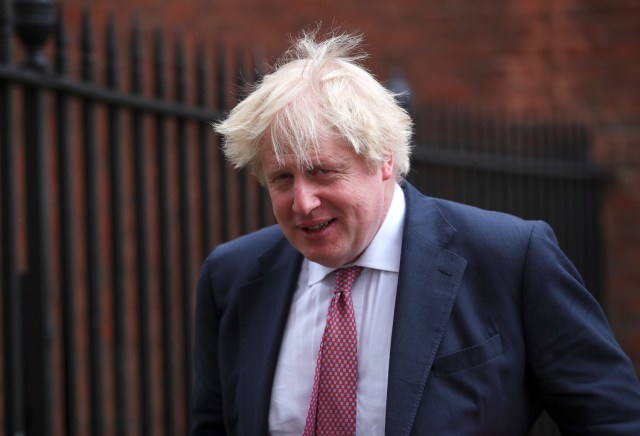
327,150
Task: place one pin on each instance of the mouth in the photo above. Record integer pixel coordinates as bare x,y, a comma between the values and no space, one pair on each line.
318,227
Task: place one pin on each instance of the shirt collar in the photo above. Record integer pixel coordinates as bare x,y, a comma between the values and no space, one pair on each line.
383,253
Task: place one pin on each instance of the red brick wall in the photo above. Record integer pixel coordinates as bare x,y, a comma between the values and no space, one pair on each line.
577,59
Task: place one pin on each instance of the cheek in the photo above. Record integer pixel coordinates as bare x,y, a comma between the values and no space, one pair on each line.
369,211
280,203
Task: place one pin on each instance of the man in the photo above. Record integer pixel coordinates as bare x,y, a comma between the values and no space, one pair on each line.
466,321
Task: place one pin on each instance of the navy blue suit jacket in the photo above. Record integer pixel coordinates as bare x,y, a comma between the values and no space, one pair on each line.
492,325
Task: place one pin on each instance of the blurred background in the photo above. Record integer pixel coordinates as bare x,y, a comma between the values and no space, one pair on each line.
113,188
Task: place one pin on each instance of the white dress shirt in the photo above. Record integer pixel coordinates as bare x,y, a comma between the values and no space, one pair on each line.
374,296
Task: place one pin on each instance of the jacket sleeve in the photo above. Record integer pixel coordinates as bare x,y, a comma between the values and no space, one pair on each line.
587,383
207,414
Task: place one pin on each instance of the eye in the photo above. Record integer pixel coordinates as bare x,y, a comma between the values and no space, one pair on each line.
280,178
319,171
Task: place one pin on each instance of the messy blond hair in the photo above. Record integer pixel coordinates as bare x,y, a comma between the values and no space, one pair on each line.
318,88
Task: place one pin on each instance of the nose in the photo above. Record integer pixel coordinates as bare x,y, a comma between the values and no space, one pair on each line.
305,196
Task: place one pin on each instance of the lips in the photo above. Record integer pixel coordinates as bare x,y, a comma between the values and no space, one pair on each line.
317,227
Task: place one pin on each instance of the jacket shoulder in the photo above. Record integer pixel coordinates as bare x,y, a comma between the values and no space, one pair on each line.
472,232
241,255
254,243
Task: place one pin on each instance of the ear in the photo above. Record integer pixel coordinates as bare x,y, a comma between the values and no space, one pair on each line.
387,168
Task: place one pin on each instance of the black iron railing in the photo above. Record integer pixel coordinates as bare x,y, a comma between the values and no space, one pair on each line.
110,199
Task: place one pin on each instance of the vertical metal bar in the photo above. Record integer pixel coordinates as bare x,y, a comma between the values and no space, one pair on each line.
140,157
92,239
530,181
164,238
221,87
11,305
594,246
491,191
583,190
518,140
542,144
476,179
264,205
37,293
506,141
117,236
205,157
11,295
449,142
5,32
67,262
563,200
593,208
241,175
185,239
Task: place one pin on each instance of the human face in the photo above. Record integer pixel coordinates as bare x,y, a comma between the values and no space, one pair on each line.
331,211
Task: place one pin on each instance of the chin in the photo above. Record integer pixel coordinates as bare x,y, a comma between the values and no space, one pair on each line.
328,261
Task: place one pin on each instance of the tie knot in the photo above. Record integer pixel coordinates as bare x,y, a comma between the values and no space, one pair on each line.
345,278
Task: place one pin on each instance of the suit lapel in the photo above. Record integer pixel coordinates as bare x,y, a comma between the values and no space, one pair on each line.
427,288
263,311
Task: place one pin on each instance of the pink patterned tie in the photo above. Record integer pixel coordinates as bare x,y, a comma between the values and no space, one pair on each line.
332,410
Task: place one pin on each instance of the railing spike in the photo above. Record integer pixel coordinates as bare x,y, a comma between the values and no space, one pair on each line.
61,44
33,22
111,53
